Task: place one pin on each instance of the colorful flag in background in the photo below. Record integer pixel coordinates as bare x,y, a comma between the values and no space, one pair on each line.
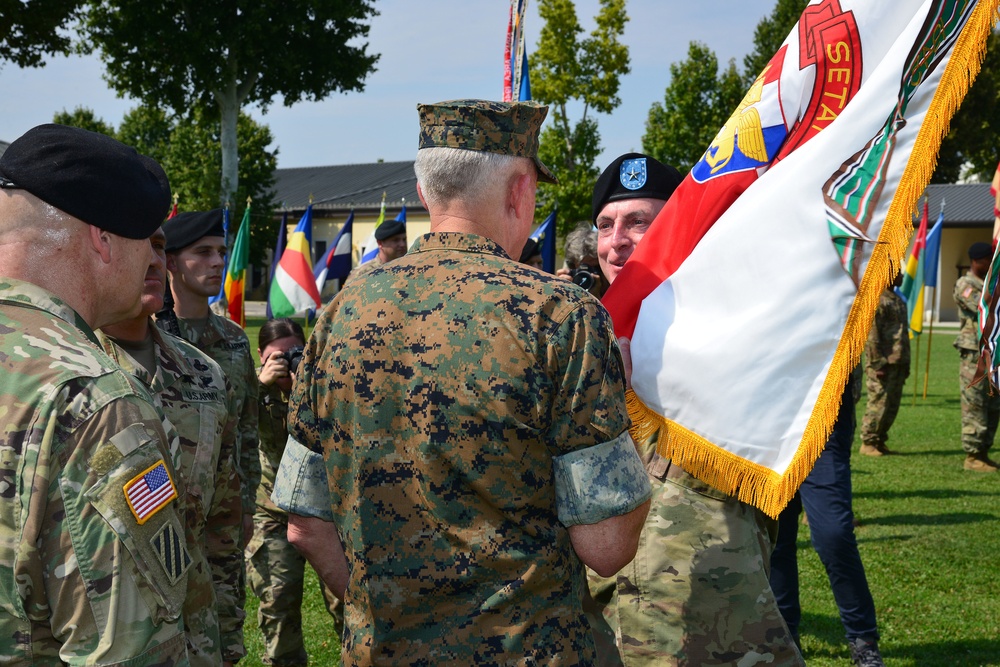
516,86
912,288
995,191
279,249
293,290
370,248
336,262
225,235
236,272
546,237
932,253
800,211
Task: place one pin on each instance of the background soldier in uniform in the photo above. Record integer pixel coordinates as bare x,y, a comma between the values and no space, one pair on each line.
391,239
471,411
697,592
88,514
196,402
196,259
980,409
887,365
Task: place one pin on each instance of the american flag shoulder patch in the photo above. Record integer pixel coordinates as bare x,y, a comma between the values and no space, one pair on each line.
150,491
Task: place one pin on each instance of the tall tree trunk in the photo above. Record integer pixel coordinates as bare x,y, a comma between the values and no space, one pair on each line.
229,111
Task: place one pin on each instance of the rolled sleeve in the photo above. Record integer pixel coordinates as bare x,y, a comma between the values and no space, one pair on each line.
300,485
600,482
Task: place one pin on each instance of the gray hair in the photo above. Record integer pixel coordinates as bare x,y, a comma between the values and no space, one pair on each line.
447,174
581,243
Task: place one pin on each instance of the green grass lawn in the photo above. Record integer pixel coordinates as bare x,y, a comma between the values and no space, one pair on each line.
929,539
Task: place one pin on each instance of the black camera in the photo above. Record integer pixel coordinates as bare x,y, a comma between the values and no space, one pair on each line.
583,276
293,356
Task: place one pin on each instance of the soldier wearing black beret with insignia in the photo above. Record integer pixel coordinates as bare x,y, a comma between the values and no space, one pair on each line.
471,413
92,541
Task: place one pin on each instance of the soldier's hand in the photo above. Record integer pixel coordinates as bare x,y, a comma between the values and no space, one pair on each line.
275,367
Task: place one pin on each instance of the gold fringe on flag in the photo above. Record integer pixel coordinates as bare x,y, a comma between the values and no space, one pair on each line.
758,485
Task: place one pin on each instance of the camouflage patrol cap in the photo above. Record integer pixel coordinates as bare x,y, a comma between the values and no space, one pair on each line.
506,128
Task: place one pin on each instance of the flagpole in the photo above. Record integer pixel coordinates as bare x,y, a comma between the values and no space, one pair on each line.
917,374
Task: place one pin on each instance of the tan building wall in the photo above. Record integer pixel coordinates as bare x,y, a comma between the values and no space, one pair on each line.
955,244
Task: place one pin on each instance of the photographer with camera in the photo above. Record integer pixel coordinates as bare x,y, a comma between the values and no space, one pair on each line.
275,568
581,263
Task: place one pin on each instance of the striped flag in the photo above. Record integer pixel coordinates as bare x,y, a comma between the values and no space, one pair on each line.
932,253
749,300
516,83
912,288
236,272
150,491
995,191
293,291
336,262
546,237
279,250
370,248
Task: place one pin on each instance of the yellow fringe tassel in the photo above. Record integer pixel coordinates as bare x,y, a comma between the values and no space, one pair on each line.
758,485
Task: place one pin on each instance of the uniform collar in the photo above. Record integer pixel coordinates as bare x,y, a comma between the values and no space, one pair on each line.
23,293
458,241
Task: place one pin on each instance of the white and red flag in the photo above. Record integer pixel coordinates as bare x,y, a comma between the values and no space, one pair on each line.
749,300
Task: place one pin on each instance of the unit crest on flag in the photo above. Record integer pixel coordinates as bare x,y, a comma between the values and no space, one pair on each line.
149,491
632,173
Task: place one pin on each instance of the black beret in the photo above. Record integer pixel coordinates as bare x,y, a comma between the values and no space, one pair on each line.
186,228
980,250
633,176
90,176
389,228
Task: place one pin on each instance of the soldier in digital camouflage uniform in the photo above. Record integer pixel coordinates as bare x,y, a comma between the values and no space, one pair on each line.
276,570
697,592
887,365
92,546
471,413
391,239
196,402
980,410
196,251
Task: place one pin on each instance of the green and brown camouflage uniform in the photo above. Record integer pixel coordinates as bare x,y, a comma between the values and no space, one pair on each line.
980,411
469,408
275,568
196,402
82,581
363,269
887,365
698,591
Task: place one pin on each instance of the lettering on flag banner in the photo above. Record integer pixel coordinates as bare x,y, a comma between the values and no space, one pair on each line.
150,491
804,197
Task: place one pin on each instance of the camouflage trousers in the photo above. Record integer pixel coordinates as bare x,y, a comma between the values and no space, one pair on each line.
276,571
980,411
697,592
884,397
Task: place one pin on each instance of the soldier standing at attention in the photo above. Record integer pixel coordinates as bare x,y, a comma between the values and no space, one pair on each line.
887,365
391,239
980,409
196,259
88,515
472,416
697,592
192,392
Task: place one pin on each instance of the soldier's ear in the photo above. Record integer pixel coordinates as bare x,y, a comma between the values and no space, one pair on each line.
100,240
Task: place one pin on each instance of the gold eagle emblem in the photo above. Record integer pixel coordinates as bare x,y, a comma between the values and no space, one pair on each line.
742,130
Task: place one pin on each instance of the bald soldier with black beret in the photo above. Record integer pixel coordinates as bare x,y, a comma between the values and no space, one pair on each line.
93,560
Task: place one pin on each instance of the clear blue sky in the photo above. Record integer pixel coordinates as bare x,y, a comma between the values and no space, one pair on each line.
430,51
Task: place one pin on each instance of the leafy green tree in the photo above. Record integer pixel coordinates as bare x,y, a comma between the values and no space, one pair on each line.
188,150
972,146
29,29
227,54
85,119
567,69
696,104
769,34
